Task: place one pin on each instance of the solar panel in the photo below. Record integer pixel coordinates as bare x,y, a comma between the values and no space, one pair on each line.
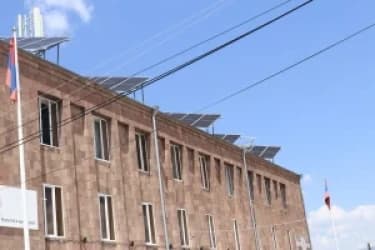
196,120
206,120
229,138
37,44
119,84
266,152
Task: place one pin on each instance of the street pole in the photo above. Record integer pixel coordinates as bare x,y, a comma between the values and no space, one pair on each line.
251,204
161,187
21,147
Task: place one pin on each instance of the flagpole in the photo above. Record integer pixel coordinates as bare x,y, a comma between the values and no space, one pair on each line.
26,236
334,228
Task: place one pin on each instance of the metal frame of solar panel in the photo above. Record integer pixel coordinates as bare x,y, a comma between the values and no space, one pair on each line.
266,152
196,120
120,84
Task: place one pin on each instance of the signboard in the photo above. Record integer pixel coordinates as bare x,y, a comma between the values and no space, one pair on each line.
11,213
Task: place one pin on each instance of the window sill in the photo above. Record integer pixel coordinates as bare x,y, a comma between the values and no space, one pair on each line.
206,189
54,238
109,242
106,162
178,180
142,172
152,245
50,148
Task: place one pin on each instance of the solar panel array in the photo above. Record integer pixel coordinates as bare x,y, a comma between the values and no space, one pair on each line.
196,120
266,152
119,84
229,138
38,44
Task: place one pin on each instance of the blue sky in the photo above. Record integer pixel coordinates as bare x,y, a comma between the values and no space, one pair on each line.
321,113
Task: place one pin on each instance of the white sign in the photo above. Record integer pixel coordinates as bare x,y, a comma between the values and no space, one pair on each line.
11,213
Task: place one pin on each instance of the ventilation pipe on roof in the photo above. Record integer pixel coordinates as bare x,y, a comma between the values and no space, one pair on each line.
161,187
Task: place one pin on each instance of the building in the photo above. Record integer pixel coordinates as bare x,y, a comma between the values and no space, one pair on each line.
30,25
97,178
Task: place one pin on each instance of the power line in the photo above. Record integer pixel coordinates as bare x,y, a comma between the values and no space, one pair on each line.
308,58
158,78
190,21
169,58
327,48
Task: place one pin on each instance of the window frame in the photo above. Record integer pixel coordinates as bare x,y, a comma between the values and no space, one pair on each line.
204,171
143,160
177,167
54,216
283,195
105,157
184,229
250,180
211,231
275,189
150,224
107,221
54,142
229,179
268,190
259,183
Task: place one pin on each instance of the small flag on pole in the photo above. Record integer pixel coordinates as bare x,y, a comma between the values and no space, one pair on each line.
327,197
11,74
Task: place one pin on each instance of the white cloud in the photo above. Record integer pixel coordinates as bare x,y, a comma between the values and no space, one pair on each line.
56,23
354,227
306,179
57,14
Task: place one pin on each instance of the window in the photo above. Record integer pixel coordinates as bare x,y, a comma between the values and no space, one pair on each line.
205,178
259,181
148,217
283,194
48,121
53,211
107,228
236,235
275,189
142,154
229,179
101,139
218,170
176,161
191,159
211,230
267,185
182,222
250,179
239,171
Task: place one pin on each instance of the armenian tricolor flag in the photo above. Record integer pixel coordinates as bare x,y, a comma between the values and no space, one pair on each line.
11,74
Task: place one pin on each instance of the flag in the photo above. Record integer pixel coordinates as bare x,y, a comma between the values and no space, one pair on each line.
327,197
11,74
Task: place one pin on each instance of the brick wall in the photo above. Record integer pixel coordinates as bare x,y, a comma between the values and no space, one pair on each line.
73,166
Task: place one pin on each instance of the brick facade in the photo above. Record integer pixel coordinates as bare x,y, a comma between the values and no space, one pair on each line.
73,167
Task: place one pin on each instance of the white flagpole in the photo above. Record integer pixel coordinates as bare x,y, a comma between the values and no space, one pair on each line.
26,236
334,229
